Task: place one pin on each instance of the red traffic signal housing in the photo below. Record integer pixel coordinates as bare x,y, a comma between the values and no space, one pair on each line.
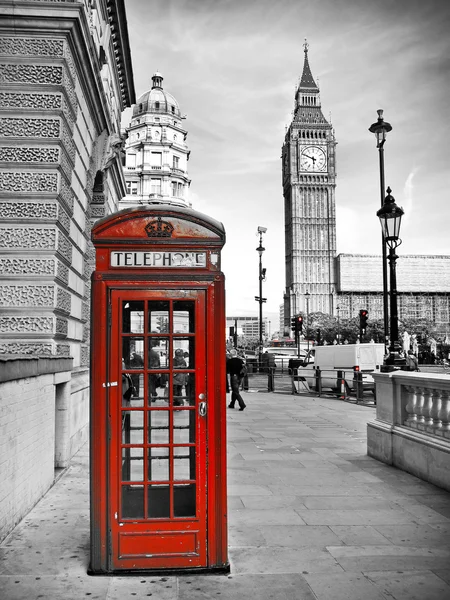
363,317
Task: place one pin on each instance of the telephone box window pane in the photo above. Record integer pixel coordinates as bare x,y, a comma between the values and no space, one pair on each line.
183,316
132,349
158,353
158,464
186,350
158,316
190,389
158,427
158,497
132,464
127,389
184,427
133,316
132,502
137,397
158,388
184,463
132,397
184,500
132,427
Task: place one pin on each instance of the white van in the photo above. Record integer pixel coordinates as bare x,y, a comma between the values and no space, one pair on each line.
346,359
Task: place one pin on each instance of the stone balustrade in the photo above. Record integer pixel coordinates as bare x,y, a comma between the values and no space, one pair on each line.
428,408
412,426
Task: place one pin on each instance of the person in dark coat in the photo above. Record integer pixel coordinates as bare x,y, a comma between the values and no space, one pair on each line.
234,368
271,366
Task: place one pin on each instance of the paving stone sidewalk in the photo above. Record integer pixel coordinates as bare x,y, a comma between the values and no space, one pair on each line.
310,517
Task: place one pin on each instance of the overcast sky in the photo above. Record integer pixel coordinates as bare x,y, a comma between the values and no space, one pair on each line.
233,66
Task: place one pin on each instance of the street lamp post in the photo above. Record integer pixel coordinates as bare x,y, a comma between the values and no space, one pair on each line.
390,216
307,295
380,129
260,299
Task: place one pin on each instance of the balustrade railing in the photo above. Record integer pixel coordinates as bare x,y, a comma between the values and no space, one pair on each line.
427,407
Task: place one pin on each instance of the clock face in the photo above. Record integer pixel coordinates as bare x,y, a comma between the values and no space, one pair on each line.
313,159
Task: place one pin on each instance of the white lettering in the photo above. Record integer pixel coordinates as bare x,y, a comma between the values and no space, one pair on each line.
136,259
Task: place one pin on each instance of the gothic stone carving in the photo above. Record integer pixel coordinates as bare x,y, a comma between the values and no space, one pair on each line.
28,210
31,47
62,271
64,247
38,349
84,357
29,154
20,181
67,140
31,101
26,324
63,300
40,74
43,238
27,295
66,194
38,102
97,212
61,326
28,266
62,349
20,127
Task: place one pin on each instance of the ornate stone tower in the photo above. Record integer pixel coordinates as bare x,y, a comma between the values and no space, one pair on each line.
156,150
309,174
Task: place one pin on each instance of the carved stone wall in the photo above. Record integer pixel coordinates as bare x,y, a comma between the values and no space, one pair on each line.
53,133
35,191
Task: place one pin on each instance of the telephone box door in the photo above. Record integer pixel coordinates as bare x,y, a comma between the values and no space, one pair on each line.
158,412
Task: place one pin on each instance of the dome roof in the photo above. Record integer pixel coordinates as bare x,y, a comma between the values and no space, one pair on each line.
156,100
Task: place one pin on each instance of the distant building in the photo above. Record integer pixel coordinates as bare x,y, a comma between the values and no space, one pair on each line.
346,283
156,152
423,286
248,326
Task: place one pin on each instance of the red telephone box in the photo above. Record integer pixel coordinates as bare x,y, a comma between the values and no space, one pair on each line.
158,447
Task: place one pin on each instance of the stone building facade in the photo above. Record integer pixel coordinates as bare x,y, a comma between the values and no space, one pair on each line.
65,73
65,78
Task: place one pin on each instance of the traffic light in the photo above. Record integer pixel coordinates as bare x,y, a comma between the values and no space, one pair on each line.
363,316
299,320
294,324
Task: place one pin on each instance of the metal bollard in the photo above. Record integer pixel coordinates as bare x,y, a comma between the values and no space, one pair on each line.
359,386
318,377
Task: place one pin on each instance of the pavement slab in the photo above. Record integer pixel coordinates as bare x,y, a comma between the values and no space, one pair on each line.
310,517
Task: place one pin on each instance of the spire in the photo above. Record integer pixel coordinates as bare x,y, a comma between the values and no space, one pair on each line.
307,80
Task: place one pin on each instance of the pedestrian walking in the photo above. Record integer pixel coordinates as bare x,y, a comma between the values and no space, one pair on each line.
271,366
235,370
179,379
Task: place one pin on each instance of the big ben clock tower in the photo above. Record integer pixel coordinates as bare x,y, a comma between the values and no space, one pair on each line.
309,181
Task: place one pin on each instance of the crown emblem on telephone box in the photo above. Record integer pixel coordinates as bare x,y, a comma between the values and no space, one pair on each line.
159,228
